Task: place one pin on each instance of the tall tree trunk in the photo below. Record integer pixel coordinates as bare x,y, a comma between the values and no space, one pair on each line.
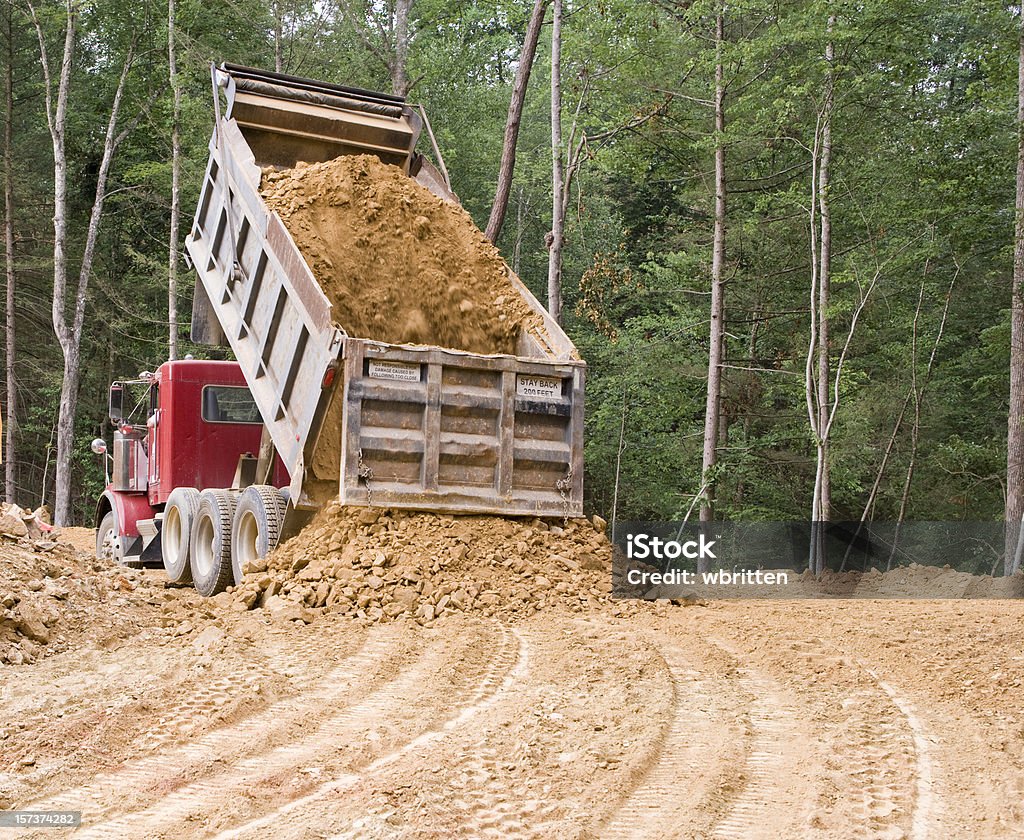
10,455
822,507
69,329
172,246
717,327
56,115
400,70
1015,421
825,281
557,234
512,122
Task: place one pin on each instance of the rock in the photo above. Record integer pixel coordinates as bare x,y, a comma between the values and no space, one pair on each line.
58,592
406,596
300,562
31,623
569,564
282,610
591,563
369,516
374,582
183,629
246,597
34,585
255,566
212,637
12,525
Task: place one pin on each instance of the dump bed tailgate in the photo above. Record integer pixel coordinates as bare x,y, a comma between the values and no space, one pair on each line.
450,431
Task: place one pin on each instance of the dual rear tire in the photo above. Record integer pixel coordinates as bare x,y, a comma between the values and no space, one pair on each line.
209,538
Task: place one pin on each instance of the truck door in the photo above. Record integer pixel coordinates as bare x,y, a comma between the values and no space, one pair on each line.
152,426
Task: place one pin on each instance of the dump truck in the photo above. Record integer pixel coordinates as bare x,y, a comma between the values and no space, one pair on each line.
339,417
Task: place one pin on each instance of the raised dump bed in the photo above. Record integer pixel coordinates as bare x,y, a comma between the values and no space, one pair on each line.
334,338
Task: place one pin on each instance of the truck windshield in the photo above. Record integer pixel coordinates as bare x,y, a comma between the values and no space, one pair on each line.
229,404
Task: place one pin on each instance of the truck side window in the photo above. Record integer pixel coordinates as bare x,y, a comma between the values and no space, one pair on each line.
229,404
154,398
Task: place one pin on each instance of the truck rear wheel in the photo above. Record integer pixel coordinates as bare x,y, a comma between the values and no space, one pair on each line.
259,519
210,544
176,532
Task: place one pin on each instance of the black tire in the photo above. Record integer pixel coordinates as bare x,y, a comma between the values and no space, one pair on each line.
176,533
109,545
259,519
210,544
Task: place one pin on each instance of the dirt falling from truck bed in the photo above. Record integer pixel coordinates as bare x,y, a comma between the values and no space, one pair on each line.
379,565
397,263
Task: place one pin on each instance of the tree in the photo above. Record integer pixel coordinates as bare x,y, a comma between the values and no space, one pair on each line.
515,115
10,453
68,322
712,411
385,31
821,288
172,247
1015,418
556,238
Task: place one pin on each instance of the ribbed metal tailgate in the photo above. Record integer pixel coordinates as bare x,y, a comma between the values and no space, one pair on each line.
449,431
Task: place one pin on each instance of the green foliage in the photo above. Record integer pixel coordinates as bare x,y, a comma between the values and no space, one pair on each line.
922,196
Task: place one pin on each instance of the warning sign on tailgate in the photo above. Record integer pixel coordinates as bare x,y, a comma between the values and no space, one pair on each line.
399,371
542,387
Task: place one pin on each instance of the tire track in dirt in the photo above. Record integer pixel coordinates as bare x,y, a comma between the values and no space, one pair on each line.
319,812
771,718
181,720
487,808
676,781
216,789
159,770
881,753
926,804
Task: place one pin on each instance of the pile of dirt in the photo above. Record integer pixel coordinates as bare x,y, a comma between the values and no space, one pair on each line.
397,263
383,565
52,596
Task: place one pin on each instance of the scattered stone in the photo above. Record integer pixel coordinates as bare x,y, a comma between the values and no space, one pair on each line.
212,637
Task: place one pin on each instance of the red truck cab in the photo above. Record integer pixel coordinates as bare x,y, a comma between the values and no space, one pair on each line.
191,424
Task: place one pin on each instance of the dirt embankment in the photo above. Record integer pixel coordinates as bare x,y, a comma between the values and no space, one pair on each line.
398,264
52,597
382,565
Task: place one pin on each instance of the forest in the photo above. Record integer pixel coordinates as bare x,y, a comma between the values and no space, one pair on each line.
783,235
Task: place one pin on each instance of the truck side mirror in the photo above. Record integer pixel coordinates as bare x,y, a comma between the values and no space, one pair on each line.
116,411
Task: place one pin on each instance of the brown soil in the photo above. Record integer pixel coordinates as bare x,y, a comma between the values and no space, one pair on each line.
584,718
379,566
398,264
53,595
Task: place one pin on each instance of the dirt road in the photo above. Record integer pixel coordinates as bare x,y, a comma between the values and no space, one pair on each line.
731,720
